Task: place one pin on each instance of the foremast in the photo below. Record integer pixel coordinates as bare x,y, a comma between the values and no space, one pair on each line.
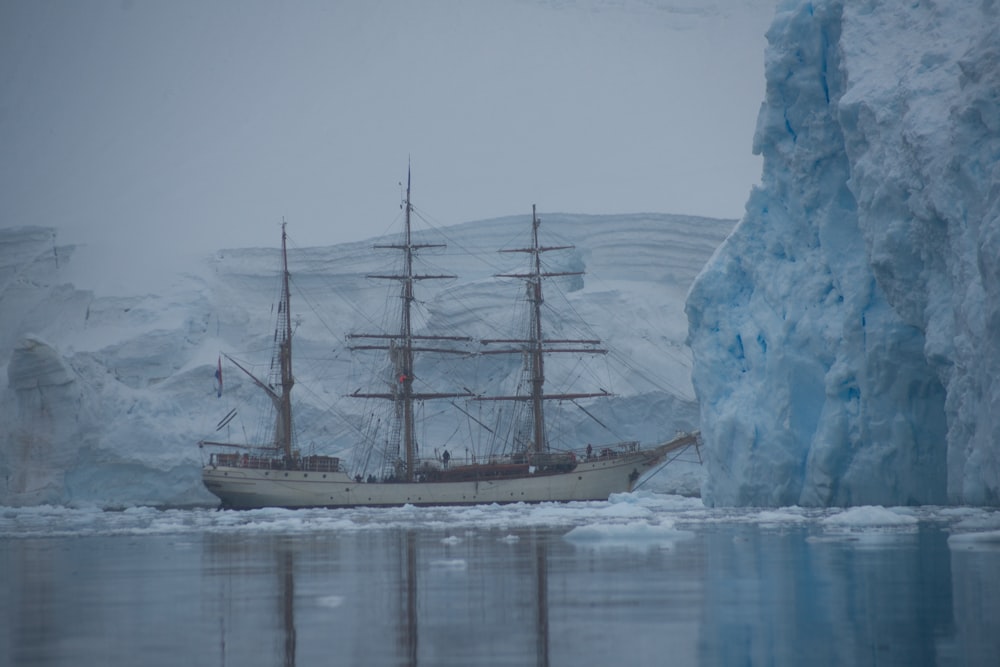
402,346
536,346
279,389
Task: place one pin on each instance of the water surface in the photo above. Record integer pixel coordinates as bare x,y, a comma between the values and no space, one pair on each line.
644,579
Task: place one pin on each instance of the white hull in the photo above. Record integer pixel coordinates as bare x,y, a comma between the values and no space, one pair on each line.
594,479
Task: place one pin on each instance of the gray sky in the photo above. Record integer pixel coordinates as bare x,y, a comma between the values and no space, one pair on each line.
186,126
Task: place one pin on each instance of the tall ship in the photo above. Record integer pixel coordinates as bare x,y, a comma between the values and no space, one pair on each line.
526,469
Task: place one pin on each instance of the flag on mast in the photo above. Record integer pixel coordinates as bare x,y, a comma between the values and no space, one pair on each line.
218,378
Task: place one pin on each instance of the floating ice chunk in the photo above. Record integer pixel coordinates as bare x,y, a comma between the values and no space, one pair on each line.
781,516
973,519
625,510
451,564
331,601
635,535
984,541
869,517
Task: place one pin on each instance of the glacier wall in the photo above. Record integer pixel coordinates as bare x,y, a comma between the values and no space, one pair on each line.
846,336
103,398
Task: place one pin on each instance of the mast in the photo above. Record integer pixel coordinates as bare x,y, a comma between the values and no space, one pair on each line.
283,427
536,346
404,363
401,346
282,375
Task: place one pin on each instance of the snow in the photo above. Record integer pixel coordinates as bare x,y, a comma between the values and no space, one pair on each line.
845,336
107,396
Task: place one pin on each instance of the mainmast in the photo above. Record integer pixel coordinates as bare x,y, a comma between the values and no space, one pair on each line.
534,287
401,346
536,346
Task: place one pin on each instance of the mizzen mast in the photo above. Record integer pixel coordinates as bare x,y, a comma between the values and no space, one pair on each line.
536,346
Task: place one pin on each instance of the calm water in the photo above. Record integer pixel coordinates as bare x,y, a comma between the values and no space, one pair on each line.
638,582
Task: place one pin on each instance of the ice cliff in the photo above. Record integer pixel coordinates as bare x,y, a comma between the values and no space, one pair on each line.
846,336
103,398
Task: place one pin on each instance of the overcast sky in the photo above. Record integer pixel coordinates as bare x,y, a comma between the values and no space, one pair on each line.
188,126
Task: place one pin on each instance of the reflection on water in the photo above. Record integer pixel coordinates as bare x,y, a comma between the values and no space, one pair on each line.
287,590
726,594
408,603
395,597
542,608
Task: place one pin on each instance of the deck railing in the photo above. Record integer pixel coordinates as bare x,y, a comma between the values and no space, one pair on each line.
308,463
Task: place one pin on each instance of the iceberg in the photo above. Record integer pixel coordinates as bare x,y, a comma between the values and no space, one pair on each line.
105,397
846,335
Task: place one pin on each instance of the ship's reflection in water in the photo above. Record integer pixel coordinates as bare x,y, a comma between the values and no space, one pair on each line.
402,597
